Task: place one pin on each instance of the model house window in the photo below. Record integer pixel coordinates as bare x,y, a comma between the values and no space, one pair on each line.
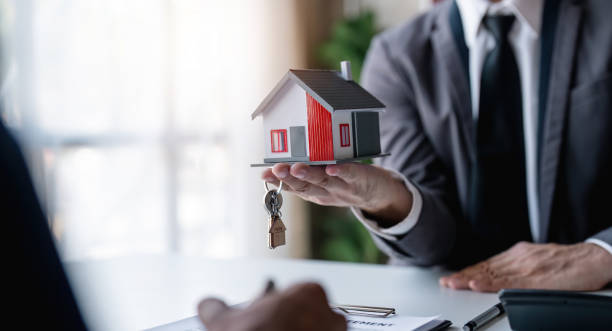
345,135
279,141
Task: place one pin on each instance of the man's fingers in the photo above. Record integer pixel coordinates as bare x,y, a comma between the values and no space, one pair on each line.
281,171
457,283
493,280
467,272
445,281
269,177
464,282
461,279
485,285
349,172
211,308
316,175
495,284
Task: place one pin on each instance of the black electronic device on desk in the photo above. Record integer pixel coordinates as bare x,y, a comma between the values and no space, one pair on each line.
556,310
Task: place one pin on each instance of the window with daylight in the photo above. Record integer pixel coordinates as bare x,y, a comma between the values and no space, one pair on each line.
128,116
279,141
345,135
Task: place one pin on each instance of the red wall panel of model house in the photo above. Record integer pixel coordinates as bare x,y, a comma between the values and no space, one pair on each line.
320,138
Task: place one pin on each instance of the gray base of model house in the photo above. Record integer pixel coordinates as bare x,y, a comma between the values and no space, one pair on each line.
271,162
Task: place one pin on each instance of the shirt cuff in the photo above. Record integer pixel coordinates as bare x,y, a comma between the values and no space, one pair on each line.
402,227
601,244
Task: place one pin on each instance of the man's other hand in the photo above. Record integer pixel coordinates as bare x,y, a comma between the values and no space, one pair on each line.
370,188
578,267
301,307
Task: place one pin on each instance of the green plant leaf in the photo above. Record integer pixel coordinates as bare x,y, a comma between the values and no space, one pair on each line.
350,40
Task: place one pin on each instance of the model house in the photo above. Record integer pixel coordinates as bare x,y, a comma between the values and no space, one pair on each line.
320,117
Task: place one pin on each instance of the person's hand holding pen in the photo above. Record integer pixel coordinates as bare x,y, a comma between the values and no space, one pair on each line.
300,307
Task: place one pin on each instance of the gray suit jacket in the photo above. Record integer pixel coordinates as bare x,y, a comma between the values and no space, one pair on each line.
416,69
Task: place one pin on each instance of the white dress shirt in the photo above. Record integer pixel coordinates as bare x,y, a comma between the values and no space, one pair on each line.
524,38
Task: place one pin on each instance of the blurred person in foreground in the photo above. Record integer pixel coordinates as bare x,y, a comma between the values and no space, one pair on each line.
499,124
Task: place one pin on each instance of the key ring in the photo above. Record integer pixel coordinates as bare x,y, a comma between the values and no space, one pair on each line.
278,191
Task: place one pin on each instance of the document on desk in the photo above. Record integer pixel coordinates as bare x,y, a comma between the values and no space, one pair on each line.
354,323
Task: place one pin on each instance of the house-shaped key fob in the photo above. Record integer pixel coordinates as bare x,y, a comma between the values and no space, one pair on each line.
319,117
276,233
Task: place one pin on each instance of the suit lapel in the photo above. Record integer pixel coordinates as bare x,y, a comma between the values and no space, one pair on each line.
562,68
451,55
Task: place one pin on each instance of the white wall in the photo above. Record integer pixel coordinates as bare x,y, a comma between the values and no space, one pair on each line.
286,110
388,12
160,109
342,117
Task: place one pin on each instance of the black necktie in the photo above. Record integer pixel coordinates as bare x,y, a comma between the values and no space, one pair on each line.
498,208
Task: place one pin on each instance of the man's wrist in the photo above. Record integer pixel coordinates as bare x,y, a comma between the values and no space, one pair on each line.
394,207
601,258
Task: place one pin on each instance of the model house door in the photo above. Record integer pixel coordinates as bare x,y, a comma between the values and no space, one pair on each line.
298,141
367,134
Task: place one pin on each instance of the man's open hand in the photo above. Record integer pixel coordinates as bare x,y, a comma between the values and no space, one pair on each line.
578,267
370,188
301,307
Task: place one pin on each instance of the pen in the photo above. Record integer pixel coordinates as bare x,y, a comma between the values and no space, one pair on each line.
270,287
484,318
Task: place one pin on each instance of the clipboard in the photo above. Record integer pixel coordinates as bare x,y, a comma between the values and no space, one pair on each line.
365,310
384,312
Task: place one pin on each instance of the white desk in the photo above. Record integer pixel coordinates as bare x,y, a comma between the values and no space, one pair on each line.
140,292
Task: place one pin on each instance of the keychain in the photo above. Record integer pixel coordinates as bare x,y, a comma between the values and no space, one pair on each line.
273,200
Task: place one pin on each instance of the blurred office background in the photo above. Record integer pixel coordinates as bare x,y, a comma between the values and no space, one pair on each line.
135,117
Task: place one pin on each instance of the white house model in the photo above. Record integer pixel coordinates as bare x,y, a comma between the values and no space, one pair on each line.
320,117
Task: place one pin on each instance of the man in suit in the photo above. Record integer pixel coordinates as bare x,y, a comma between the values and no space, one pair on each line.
39,297
499,125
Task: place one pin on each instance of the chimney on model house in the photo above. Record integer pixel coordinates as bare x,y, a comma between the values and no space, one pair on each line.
345,67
